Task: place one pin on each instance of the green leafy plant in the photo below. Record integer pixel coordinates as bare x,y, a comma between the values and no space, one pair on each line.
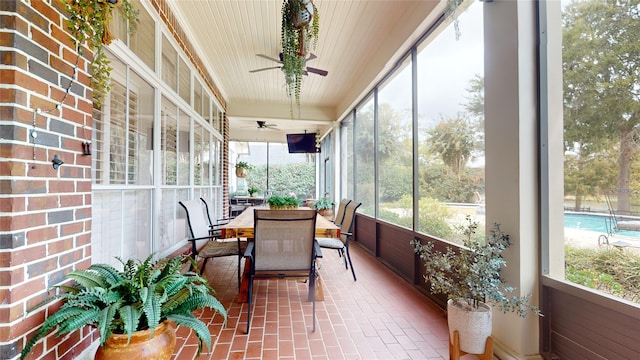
252,190
139,297
472,274
89,24
322,203
283,202
243,165
296,38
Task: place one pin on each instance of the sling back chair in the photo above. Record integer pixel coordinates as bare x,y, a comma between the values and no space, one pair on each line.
346,233
284,246
340,213
203,243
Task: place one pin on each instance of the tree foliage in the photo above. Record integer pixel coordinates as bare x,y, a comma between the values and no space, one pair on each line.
453,140
601,59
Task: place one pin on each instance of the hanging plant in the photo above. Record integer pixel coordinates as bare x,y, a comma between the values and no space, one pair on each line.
89,24
300,27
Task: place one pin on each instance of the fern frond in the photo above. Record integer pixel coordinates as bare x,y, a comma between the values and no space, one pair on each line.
130,317
200,328
199,301
110,274
151,306
87,278
105,321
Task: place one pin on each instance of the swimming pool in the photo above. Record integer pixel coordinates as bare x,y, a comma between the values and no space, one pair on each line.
597,223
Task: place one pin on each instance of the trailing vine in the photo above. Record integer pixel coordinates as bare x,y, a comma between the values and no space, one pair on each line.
296,40
89,24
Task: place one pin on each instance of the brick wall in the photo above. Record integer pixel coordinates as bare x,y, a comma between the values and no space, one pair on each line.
45,214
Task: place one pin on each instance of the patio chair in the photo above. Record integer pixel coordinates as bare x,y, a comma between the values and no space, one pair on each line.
284,246
340,213
346,233
203,243
214,225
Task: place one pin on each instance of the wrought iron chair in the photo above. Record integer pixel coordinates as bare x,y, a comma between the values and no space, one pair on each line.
346,233
284,246
204,243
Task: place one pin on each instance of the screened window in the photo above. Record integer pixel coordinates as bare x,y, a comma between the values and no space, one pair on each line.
600,56
450,75
395,147
364,138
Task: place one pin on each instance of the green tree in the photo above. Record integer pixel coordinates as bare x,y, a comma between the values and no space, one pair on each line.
453,140
601,93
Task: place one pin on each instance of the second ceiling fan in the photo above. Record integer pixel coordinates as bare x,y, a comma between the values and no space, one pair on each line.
309,69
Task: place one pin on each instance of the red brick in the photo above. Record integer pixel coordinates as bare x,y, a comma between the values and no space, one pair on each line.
43,202
62,36
83,240
83,186
24,290
42,103
47,11
10,277
71,229
19,222
14,96
43,234
13,204
13,168
44,40
61,186
26,256
73,115
58,94
69,200
61,66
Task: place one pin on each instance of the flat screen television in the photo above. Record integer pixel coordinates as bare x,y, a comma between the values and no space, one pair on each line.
302,143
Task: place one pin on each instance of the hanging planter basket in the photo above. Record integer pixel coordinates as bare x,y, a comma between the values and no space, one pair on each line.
241,173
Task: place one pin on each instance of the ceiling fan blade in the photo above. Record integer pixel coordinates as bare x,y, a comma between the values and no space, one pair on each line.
263,69
312,56
269,58
317,71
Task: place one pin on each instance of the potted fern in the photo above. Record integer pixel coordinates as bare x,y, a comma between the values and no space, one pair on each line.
470,278
139,303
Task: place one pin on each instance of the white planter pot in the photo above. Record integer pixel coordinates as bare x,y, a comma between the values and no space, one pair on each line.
473,325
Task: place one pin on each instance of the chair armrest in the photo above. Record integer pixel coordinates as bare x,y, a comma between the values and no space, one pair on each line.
248,252
317,248
346,233
202,238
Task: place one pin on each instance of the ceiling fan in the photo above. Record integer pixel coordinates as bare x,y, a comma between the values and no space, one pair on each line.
279,61
264,125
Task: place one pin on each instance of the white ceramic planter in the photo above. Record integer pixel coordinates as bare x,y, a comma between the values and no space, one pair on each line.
473,326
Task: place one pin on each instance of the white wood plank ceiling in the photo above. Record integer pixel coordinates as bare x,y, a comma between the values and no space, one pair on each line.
359,40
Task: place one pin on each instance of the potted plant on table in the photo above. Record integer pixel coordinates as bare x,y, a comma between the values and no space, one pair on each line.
242,169
324,205
281,202
471,280
252,190
132,308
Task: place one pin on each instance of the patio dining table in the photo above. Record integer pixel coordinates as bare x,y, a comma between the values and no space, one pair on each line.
242,227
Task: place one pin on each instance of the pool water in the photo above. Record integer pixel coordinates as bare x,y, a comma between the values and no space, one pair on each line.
595,223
